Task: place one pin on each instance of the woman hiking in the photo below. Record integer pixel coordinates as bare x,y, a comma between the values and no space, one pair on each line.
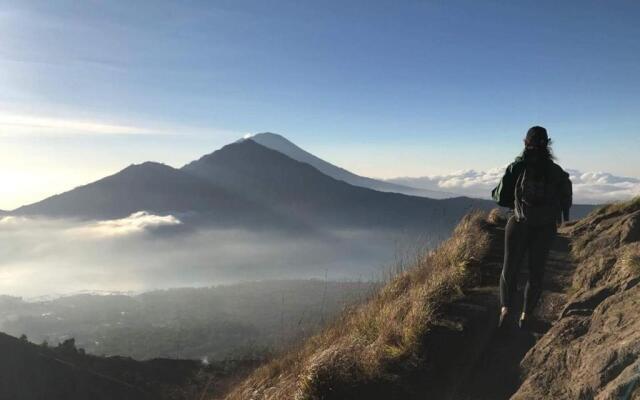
539,192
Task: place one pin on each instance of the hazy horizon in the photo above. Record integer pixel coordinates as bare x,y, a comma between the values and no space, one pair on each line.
589,187
381,89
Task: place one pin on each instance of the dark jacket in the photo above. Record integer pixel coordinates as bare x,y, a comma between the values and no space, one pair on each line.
505,193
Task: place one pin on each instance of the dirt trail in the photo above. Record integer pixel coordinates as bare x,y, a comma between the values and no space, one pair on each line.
493,373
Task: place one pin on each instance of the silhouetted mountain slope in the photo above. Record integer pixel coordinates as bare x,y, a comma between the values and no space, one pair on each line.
151,187
29,372
36,372
279,143
148,186
297,189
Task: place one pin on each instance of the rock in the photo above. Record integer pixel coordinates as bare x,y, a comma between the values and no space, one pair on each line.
630,231
593,350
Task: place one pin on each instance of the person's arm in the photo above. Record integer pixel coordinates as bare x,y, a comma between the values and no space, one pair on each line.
567,196
504,193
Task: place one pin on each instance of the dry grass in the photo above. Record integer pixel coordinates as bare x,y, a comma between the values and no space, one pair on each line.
497,217
630,260
366,344
621,207
580,245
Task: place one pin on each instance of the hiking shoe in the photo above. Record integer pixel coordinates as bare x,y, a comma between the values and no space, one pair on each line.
502,321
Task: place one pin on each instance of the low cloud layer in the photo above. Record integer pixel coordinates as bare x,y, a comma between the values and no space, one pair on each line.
588,187
138,222
145,251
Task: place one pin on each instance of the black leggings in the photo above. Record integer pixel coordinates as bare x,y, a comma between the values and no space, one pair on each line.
521,237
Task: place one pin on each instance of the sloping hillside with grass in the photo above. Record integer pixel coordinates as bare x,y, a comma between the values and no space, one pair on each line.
431,332
383,348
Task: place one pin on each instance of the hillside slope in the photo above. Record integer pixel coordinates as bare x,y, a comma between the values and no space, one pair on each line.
431,332
27,373
31,372
391,347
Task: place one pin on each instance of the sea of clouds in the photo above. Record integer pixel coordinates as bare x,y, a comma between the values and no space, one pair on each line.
588,187
49,257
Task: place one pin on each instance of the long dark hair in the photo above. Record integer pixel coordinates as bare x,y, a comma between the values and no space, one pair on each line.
537,145
545,152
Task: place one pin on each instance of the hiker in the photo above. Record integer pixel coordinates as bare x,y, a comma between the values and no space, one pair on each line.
539,192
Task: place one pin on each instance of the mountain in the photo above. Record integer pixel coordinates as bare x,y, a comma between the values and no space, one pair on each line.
149,186
297,189
279,143
152,187
246,183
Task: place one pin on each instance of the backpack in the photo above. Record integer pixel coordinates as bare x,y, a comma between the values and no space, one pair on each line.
535,196
540,195
532,188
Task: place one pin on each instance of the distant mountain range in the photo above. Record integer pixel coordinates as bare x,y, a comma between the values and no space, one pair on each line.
261,181
247,183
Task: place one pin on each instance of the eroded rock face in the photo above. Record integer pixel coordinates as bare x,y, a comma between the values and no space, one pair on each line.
630,231
593,349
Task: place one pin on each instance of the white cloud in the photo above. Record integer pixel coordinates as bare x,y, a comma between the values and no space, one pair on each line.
11,220
588,187
602,187
15,124
135,223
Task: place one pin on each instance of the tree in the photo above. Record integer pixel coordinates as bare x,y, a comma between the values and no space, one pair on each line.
68,346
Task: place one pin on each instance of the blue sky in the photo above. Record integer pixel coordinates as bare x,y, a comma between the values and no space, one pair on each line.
384,88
